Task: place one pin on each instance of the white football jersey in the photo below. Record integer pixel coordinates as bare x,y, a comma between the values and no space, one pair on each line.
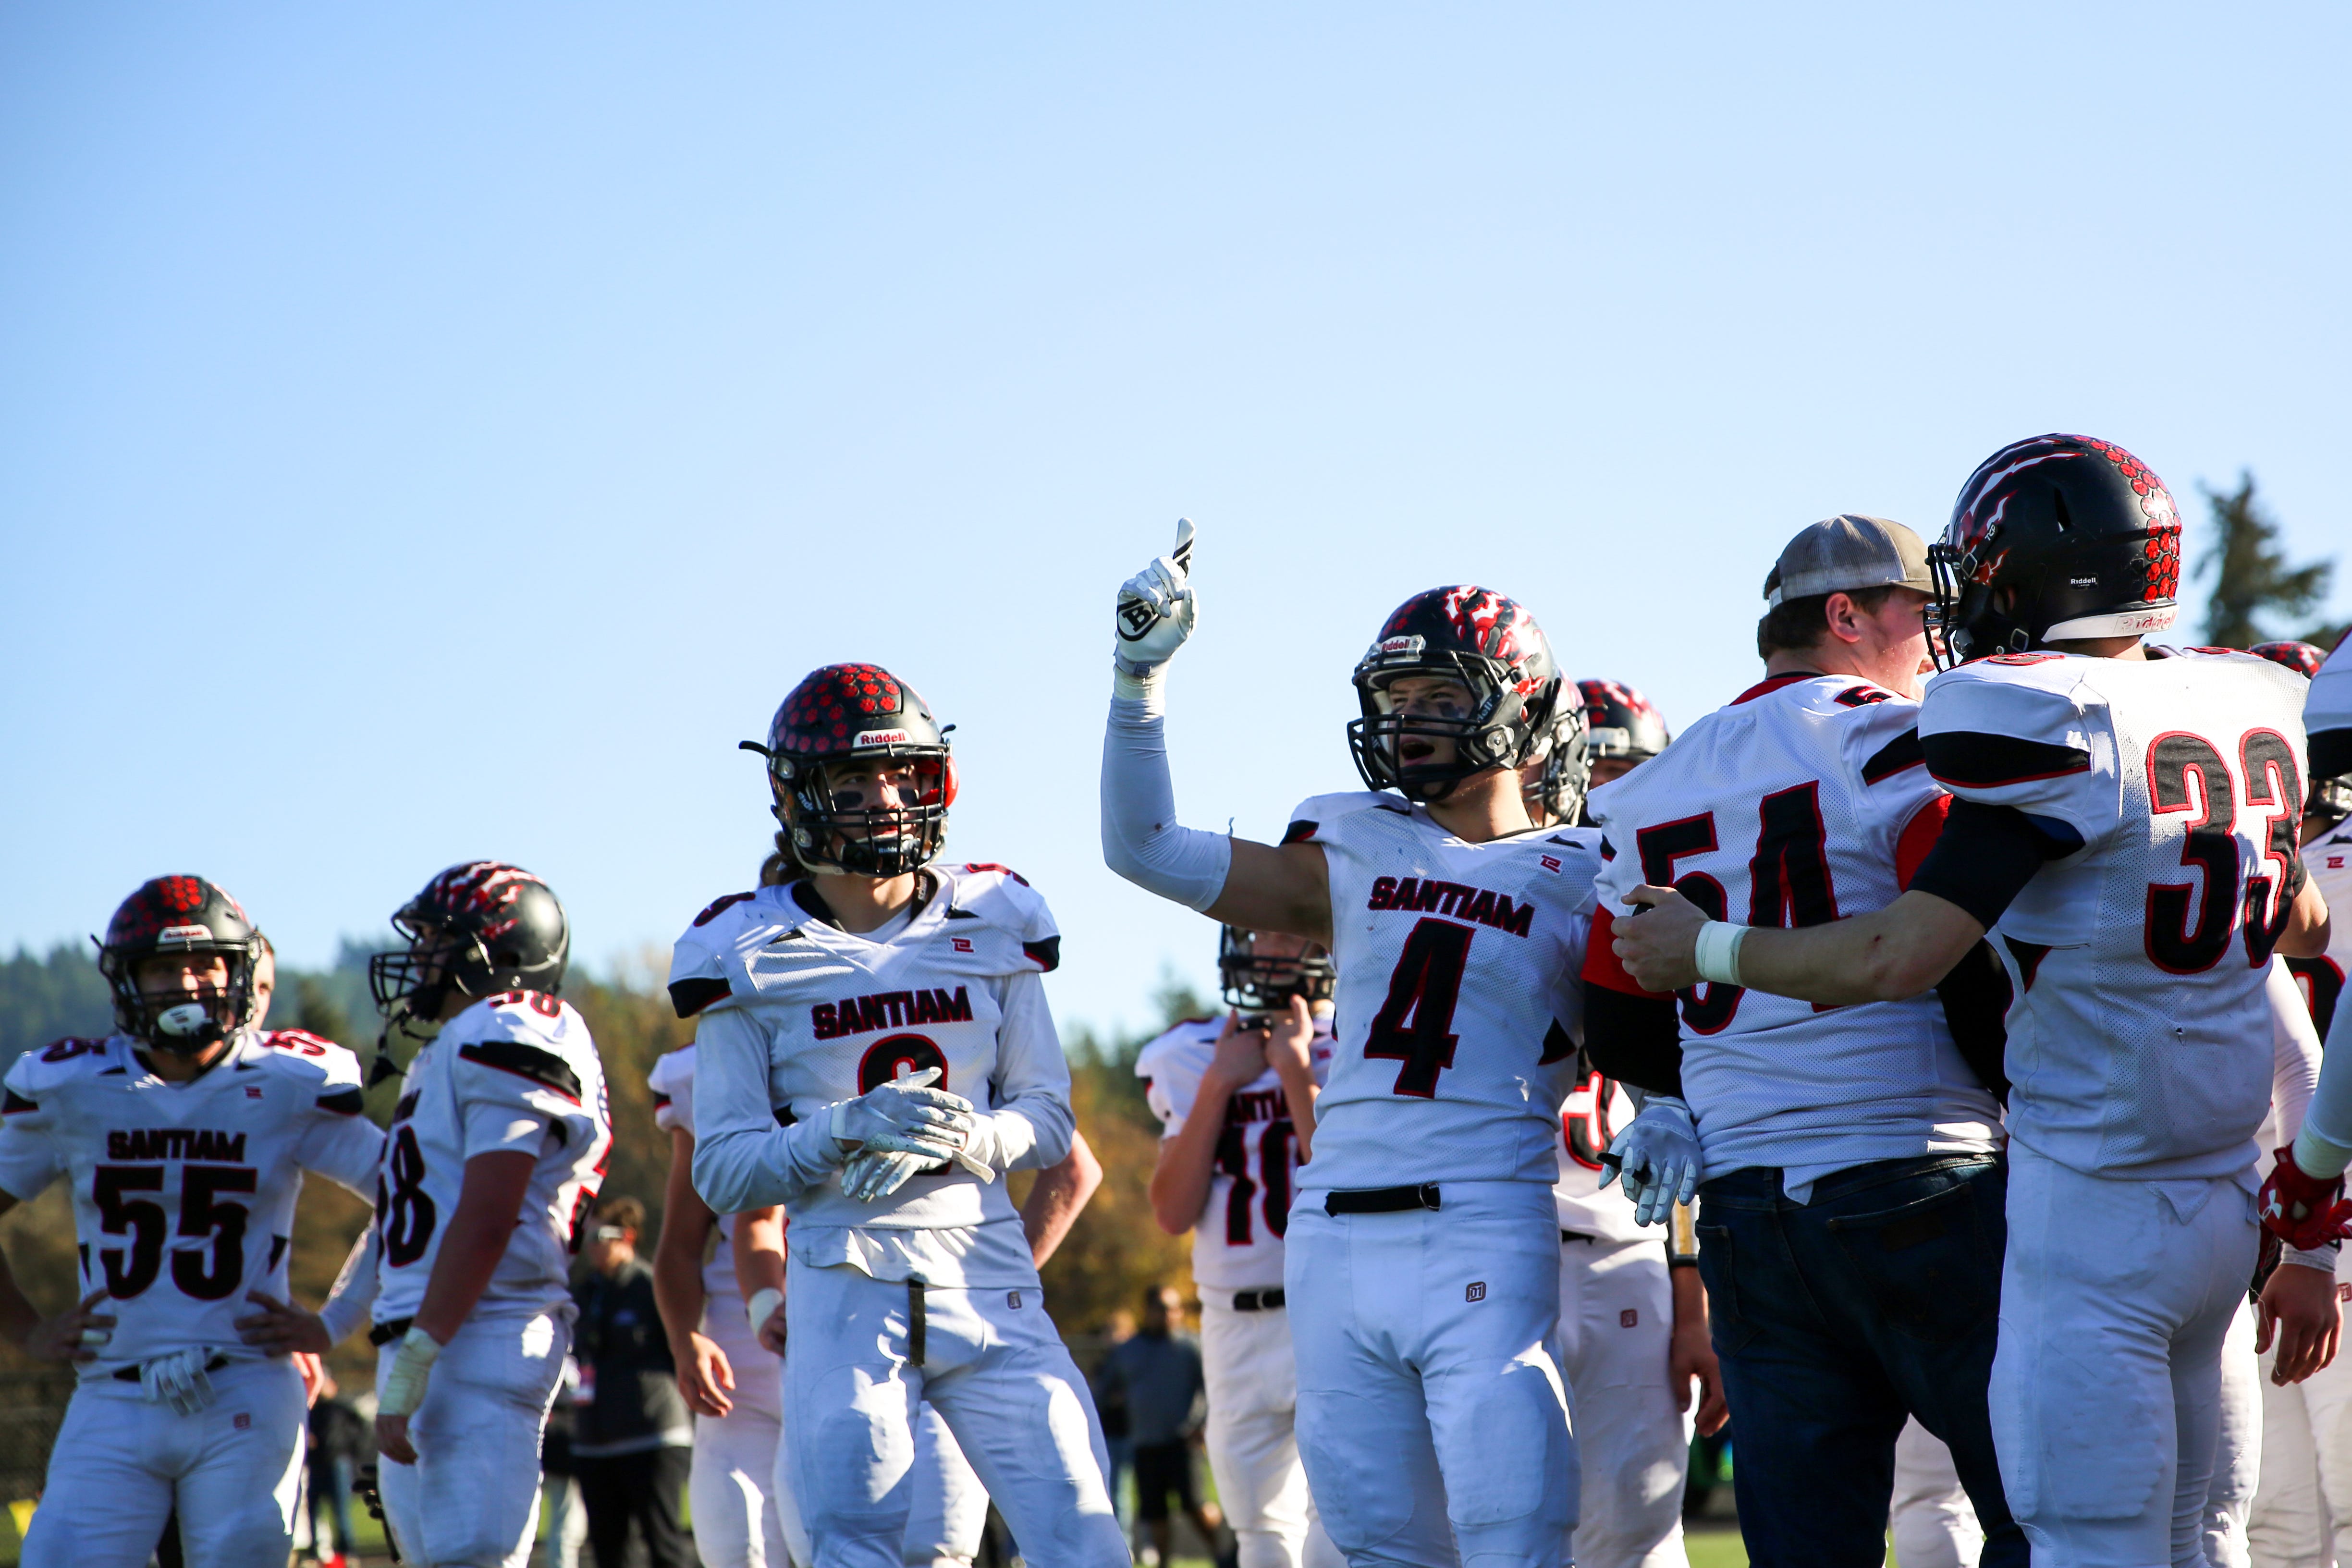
1790,808
1237,1244
2139,1035
516,1071
184,1192
1597,1110
1459,1006
672,1081
797,1014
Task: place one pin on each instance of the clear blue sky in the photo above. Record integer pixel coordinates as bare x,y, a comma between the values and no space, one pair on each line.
430,432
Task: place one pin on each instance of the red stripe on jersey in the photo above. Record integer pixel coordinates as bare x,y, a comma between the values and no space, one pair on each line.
1919,836
1771,683
1600,964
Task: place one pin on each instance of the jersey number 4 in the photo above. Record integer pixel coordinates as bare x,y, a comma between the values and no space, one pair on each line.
2273,783
1416,1025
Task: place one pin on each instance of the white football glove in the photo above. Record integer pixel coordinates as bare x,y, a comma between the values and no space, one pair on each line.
1156,607
178,1380
1658,1156
874,1172
404,1385
906,1106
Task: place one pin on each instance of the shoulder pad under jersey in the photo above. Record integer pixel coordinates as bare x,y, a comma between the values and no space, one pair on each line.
672,1081
45,1068
527,1036
713,948
1309,818
1000,896
331,1072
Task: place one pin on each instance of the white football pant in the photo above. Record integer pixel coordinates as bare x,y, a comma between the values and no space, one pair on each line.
948,1512
2302,1511
472,1498
120,1462
1252,1391
1932,1521
1430,1405
2115,1297
995,1369
1616,1320
730,1489
2237,1445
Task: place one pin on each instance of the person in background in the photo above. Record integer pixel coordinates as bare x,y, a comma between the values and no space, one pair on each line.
631,1440
1157,1375
339,1437
566,1517
1110,1405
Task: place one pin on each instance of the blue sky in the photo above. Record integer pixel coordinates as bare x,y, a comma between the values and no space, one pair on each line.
444,431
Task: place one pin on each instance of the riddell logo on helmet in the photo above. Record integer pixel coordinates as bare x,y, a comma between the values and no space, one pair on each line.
883,738
1409,647
185,933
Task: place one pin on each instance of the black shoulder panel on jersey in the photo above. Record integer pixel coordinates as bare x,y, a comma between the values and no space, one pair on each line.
1899,754
694,992
1987,761
1634,1040
529,1061
1976,999
407,1108
1046,952
956,914
17,1102
1299,832
720,905
343,1102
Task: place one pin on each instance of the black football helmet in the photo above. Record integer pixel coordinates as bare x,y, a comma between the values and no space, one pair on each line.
1619,722
475,930
177,916
1258,982
2055,538
1556,793
857,714
2299,657
1475,637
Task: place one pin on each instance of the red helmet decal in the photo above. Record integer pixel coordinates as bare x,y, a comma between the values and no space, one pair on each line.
484,889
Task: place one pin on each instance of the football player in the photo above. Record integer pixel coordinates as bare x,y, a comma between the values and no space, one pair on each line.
2328,843
1623,729
875,1051
1421,1267
184,1135
2125,825
1236,1099
1815,1129
1633,1315
491,1164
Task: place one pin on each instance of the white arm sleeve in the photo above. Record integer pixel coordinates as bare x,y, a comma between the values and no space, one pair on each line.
354,1292
742,1160
2324,1147
1031,1126
1142,840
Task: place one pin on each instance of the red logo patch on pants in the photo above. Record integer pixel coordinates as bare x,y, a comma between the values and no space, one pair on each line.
1476,1292
1629,1318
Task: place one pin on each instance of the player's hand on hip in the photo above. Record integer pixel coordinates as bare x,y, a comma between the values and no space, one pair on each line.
905,1106
2299,1308
1657,941
74,1334
1156,607
282,1328
2301,1210
392,1439
704,1378
1657,1156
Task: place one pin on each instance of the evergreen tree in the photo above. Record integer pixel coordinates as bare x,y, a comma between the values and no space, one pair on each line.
2252,578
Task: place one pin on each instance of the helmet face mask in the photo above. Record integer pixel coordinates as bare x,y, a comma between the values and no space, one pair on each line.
862,775
1555,793
170,930
475,930
1260,982
2053,539
1414,739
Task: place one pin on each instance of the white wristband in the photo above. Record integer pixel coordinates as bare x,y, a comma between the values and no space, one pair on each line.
1718,953
764,1302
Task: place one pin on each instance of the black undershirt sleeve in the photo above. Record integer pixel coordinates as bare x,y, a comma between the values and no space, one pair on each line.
1984,857
1976,996
1634,1040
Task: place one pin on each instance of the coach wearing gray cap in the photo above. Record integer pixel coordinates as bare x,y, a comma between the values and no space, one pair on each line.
1848,1161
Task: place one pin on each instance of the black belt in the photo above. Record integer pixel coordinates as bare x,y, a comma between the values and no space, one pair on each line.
131,1373
383,1334
1577,1235
918,1323
1381,1200
1258,1301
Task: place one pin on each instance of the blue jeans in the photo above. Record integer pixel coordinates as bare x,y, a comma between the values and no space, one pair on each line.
1836,1318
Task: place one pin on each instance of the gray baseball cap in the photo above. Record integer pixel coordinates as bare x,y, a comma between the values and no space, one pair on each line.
1841,553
